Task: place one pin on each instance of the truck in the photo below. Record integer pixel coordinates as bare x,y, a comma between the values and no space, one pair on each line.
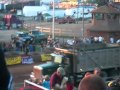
38,36
21,36
12,21
81,59
65,20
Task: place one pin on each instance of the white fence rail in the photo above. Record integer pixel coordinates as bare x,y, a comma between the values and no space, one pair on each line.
31,83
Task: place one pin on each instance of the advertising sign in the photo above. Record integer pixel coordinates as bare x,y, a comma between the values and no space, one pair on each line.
46,57
27,60
13,60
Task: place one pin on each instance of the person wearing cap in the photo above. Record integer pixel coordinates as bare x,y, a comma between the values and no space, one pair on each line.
56,79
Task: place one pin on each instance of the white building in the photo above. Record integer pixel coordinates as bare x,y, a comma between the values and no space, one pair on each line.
78,12
34,10
50,1
58,13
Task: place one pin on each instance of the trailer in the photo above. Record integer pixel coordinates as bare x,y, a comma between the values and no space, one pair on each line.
85,58
12,21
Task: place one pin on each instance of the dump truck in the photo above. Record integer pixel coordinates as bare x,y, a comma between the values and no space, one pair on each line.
82,59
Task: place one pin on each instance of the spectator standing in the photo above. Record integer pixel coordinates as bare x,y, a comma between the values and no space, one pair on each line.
118,41
100,39
5,76
92,82
96,39
31,48
112,40
56,79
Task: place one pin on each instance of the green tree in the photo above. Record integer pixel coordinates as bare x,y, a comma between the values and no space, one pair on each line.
99,2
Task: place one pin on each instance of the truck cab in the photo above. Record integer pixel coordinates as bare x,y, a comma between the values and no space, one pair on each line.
38,36
51,66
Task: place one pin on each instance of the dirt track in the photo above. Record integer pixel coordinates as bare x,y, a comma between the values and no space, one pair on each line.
66,29
20,73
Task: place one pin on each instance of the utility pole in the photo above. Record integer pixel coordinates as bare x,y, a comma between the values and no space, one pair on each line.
83,22
77,9
53,22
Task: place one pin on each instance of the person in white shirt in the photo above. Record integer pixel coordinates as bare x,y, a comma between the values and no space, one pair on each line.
100,39
111,40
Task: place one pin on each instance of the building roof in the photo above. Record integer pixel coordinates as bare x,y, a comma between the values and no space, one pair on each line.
105,28
105,9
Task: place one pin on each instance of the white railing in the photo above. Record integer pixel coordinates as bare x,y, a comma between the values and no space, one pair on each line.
34,84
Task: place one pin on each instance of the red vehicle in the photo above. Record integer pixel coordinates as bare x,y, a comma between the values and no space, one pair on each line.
10,19
67,19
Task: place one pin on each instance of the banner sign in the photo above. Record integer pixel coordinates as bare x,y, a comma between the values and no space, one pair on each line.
27,60
58,59
13,60
46,57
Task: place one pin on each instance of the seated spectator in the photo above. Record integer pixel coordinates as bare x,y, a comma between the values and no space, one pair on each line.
31,48
46,82
57,81
92,82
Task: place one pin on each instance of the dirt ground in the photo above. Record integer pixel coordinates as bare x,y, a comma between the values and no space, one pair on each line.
20,73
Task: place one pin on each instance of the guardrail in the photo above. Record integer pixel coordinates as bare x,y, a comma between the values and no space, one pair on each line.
34,84
29,26
58,32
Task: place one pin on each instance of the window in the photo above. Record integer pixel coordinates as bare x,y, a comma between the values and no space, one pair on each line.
99,16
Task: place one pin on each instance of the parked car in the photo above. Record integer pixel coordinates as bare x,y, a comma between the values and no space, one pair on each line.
38,36
64,20
22,36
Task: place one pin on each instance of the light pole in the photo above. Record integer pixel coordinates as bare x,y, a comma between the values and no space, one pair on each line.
53,21
83,22
77,10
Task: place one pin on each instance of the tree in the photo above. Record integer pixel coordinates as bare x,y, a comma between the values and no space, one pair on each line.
99,2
